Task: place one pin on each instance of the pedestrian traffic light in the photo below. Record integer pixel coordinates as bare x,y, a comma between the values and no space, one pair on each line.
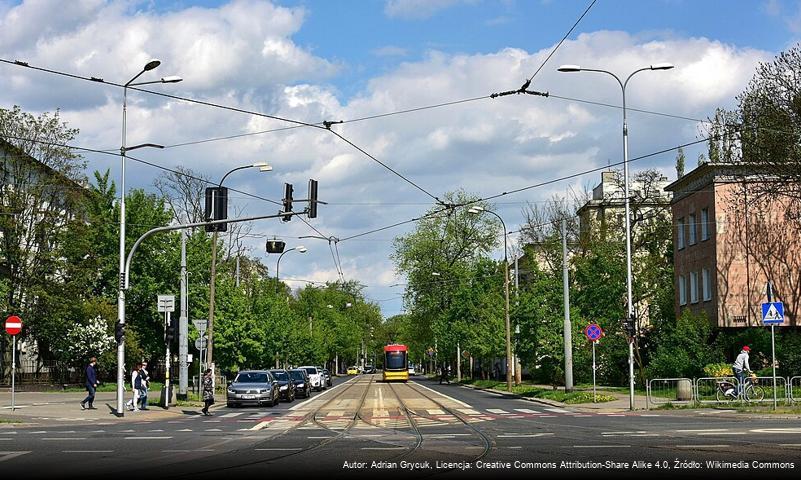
119,332
169,333
312,198
216,208
287,202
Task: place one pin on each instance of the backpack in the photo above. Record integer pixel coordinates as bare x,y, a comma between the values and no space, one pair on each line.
138,382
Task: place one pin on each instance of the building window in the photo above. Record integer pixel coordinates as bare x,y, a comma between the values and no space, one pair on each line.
682,290
705,224
693,287
691,225
706,281
680,233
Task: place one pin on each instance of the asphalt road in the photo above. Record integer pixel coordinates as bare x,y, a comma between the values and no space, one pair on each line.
364,428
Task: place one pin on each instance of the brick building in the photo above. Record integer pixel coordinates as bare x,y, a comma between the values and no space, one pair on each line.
728,240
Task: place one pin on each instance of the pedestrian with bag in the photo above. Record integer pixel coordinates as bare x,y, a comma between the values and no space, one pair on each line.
91,385
145,377
136,384
208,392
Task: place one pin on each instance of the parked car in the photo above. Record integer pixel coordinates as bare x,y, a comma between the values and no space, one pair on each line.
411,370
301,380
315,377
353,370
253,387
328,380
286,387
369,369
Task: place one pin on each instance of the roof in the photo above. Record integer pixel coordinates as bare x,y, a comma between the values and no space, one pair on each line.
709,173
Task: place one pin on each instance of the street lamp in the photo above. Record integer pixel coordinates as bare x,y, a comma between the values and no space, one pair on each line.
120,291
263,167
623,85
299,248
475,210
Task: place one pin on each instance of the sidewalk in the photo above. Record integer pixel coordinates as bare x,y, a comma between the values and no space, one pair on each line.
64,407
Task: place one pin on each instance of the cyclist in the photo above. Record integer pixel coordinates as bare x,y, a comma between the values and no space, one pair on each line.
741,366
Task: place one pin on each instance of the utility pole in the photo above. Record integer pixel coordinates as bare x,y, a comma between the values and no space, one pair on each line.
567,328
237,269
518,366
183,328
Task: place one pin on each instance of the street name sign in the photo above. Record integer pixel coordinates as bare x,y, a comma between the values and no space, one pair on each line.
772,313
166,303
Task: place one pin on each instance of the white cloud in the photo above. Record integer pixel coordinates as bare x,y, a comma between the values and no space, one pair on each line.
243,54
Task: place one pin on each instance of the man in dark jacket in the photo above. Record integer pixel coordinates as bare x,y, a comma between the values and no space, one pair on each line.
91,384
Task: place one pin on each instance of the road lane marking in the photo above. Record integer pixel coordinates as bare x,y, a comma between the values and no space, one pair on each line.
62,438
702,446
722,433
776,430
184,430
524,435
9,455
435,411
703,430
213,430
317,438
8,433
384,448
498,411
278,449
147,438
231,415
525,410
259,425
443,395
557,410
87,451
327,392
468,411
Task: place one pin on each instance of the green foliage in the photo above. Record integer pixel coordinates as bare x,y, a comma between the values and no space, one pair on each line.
683,349
718,370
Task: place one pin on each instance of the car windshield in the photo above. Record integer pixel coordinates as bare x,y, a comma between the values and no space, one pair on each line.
281,376
296,375
311,370
395,360
252,377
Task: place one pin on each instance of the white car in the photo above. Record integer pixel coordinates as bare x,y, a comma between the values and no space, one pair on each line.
315,377
411,370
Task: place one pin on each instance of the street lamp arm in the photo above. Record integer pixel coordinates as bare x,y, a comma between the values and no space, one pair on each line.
183,227
232,171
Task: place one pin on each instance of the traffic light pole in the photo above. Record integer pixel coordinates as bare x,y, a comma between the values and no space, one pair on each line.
167,363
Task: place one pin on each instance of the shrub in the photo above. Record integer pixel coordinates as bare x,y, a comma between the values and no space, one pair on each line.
718,370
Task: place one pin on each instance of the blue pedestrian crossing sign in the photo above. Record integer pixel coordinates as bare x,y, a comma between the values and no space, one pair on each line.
772,313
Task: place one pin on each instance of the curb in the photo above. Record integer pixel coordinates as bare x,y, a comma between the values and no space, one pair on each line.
552,403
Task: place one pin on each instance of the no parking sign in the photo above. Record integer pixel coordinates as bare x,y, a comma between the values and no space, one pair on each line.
593,332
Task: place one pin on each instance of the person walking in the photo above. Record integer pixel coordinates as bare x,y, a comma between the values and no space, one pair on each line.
741,366
145,377
136,386
208,392
443,375
91,385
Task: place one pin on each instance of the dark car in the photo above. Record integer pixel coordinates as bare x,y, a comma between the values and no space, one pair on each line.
286,387
327,375
253,387
300,378
369,369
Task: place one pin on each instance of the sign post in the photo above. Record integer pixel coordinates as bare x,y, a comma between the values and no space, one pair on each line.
593,332
166,304
13,327
200,344
773,314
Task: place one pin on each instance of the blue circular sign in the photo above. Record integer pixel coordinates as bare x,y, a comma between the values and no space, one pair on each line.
593,332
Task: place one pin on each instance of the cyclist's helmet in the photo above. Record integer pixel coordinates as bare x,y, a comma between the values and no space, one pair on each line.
746,348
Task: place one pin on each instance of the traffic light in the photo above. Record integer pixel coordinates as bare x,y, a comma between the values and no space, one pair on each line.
312,198
119,332
630,326
169,333
287,201
275,246
216,208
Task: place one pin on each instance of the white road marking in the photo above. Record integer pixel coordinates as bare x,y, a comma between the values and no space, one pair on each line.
468,411
703,430
157,430
295,407
231,415
776,430
87,451
184,430
384,448
525,410
212,421
601,446
435,411
722,433
8,433
213,430
9,455
38,432
259,425
557,410
317,438
277,449
497,410
702,446
443,395
524,435
63,438
146,438
623,433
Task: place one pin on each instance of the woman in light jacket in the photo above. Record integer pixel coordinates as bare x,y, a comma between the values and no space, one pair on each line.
133,404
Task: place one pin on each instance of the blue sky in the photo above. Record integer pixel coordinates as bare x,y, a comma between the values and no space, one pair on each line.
324,60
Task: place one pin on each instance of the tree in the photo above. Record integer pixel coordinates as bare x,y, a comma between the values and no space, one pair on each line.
680,160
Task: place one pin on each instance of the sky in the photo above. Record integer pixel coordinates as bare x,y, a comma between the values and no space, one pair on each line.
313,61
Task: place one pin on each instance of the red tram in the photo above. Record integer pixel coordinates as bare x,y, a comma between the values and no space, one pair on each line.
396,363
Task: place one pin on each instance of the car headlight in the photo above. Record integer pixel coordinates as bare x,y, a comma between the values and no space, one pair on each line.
284,387
301,385
231,391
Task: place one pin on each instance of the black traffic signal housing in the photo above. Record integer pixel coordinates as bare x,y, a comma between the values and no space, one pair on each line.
287,202
119,332
312,199
169,333
275,246
216,208
630,326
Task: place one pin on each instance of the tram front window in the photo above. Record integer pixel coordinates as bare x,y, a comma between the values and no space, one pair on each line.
395,361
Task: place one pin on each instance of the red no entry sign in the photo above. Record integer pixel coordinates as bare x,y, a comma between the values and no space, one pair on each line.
13,325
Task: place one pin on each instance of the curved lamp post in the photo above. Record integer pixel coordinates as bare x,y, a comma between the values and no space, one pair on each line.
263,167
475,210
299,248
623,85
152,64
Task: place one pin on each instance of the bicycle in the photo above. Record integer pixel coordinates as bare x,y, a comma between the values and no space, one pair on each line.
751,392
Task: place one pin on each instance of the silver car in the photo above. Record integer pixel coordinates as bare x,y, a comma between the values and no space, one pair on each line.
253,387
